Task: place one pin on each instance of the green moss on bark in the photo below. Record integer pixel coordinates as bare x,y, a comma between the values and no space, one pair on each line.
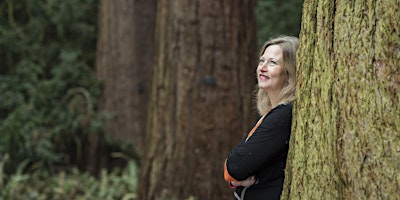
345,142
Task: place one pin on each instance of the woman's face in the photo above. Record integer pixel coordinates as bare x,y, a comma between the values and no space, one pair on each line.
271,75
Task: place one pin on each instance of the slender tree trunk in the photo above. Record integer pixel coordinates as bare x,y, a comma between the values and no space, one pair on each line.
201,97
346,134
124,64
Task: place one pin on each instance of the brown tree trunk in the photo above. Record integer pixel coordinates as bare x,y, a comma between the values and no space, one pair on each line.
124,64
345,141
201,97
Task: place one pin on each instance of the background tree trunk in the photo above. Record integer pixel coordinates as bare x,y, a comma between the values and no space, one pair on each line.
124,64
345,141
201,97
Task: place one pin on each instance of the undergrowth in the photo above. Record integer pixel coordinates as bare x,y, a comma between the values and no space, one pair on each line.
71,184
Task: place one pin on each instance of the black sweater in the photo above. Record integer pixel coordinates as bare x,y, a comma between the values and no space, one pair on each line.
263,155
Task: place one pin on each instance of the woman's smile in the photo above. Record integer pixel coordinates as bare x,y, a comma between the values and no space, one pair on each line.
263,77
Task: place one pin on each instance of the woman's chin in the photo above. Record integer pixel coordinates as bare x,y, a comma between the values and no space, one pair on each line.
262,87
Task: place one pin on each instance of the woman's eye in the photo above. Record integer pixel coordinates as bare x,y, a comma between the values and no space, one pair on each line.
272,62
261,61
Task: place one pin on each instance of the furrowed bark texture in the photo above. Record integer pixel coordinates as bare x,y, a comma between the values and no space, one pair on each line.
345,140
201,98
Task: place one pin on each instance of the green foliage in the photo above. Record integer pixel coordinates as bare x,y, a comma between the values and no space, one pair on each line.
276,17
117,184
48,90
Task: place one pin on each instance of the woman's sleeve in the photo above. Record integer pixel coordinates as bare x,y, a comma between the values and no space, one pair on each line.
269,141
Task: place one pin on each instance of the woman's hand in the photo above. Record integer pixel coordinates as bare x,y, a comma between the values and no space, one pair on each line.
245,183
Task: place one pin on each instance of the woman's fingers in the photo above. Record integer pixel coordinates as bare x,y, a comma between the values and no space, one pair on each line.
245,183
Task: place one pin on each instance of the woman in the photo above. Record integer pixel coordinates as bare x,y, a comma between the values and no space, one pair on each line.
255,167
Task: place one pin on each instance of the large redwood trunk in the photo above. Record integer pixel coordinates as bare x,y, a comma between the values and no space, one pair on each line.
124,65
345,139
201,97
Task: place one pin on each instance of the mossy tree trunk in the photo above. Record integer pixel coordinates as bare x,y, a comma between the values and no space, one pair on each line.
346,134
124,64
201,98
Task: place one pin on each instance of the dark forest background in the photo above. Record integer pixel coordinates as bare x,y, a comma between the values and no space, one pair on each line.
49,100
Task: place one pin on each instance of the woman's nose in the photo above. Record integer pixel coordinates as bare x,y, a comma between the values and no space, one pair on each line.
263,67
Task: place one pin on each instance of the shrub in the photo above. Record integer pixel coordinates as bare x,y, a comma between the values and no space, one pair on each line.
48,89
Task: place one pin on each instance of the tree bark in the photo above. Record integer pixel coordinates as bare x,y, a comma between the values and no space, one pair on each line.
345,135
124,64
201,97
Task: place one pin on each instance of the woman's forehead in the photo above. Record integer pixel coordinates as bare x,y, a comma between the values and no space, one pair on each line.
272,51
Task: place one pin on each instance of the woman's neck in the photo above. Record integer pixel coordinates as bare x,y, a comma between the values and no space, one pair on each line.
274,98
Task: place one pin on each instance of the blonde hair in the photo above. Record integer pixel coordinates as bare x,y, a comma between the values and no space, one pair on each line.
289,45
